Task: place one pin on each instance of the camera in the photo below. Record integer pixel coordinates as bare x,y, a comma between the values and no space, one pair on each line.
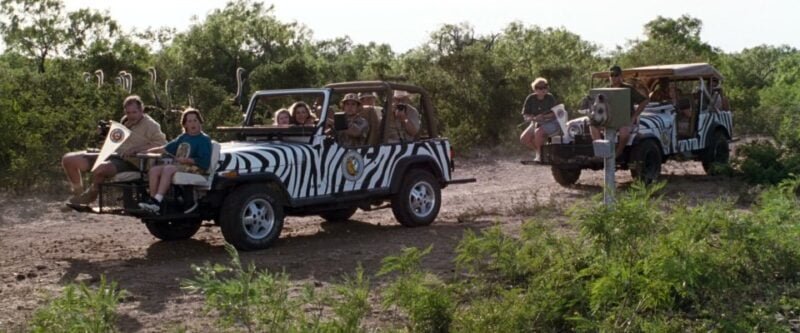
400,107
102,128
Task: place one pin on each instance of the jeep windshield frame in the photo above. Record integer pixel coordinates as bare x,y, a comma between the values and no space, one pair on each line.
248,128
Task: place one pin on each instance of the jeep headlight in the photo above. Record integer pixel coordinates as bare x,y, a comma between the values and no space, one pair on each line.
574,130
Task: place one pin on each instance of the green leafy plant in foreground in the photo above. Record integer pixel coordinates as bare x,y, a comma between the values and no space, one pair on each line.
261,301
80,309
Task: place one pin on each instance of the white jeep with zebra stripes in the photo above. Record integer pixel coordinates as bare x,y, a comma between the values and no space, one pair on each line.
676,125
267,172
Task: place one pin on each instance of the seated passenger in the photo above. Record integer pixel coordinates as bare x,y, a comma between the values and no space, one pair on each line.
402,120
661,93
543,122
283,118
145,133
192,153
357,126
301,115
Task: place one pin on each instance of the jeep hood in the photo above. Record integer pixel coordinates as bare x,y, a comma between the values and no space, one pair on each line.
251,157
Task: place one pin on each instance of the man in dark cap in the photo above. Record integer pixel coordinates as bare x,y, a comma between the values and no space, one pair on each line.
615,78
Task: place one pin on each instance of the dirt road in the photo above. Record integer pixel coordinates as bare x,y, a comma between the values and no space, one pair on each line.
43,248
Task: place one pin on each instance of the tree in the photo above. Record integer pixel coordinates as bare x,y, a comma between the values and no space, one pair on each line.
668,41
41,28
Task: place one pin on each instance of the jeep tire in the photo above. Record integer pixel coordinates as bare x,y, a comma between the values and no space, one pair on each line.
251,217
565,176
174,229
717,153
339,215
418,201
645,161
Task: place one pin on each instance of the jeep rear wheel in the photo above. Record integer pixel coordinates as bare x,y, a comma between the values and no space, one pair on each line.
173,230
716,154
252,217
339,215
417,203
645,162
565,176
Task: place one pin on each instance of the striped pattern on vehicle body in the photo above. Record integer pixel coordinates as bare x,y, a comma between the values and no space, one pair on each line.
656,124
314,170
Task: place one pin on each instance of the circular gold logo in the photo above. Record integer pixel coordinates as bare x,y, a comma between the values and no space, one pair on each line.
352,166
117,135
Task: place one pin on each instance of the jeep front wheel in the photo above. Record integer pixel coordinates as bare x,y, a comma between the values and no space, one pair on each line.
645,162
173,230
564,176
251,217
716,154
417,203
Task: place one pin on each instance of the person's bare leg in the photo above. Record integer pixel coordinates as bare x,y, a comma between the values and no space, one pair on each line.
154,175
74,163
104,171
166,179
527,137
624,135
540,136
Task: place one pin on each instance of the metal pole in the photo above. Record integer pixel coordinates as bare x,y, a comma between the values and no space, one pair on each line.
610,166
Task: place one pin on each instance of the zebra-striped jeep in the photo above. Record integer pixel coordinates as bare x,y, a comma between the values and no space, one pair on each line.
269,171
687,118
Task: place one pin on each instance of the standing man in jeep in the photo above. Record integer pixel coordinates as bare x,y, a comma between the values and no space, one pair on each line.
615,77
357,126
145,134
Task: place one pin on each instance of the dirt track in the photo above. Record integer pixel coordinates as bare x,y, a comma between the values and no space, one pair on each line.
43,248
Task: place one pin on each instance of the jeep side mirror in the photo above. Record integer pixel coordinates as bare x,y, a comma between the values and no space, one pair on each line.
339,121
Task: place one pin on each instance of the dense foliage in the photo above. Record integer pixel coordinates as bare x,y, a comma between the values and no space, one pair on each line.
50,97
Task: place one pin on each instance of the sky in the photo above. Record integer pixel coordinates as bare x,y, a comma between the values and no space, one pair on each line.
729,25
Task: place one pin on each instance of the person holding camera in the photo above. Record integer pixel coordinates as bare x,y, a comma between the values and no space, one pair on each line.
402,122
615,77
357,126
145,134
536,110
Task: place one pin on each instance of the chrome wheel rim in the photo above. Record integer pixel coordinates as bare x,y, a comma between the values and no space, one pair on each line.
421,199
258,218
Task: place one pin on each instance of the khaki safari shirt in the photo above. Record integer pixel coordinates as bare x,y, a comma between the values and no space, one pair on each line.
359,122
144,132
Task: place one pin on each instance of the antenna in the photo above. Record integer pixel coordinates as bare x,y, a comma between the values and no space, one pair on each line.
167,93
237,100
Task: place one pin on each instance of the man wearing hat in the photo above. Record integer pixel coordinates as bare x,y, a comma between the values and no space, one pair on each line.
357,126
615,77
402,123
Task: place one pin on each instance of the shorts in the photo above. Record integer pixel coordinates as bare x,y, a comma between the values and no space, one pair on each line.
191,169
551,128
120,164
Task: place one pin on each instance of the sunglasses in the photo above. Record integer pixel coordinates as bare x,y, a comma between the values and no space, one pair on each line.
540,87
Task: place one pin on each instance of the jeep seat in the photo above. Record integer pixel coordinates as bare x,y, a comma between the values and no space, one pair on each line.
203,181
126,176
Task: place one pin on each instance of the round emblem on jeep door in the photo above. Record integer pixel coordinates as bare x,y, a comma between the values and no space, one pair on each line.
117,135
352,165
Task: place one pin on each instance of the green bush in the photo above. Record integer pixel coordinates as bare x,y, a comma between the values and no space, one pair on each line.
260,301
634,267
765,162
80,309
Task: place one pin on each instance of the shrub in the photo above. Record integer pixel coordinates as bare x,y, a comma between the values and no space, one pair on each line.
80,309
260,301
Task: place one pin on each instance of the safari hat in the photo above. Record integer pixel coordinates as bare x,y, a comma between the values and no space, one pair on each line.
367,95
401,95
350,97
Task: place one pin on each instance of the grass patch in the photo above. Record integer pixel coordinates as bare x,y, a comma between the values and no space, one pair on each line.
80,309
